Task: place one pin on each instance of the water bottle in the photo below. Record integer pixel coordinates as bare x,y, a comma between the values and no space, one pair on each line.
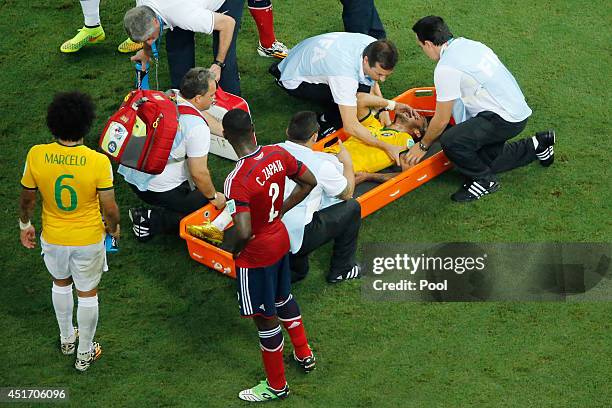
142,77
111,243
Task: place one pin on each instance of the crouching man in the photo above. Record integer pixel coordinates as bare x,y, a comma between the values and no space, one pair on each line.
170,193
329,212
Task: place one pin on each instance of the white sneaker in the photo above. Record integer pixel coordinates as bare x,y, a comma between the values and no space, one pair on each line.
84,360
68,345
277,50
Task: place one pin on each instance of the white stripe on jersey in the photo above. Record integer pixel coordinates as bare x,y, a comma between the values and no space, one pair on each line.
245,290
230,177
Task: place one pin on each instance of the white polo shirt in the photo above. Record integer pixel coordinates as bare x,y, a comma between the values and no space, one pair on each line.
454,84
334,59
330,183
195,143
192,15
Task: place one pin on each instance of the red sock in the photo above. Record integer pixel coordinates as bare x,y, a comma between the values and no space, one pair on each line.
264,18
297,333
271,344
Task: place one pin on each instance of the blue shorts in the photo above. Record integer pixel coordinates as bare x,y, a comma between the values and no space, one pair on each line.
260,288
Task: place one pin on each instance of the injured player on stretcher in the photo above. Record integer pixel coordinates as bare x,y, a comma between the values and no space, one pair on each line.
369,160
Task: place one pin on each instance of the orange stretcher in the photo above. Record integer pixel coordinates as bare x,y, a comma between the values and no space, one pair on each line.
421,99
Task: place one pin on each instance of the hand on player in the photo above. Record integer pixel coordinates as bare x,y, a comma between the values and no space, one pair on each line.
403,108
343,155
219,201
216,70
142,57
393,152
28,237
414,155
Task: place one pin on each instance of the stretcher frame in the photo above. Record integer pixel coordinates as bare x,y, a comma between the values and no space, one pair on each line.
421,99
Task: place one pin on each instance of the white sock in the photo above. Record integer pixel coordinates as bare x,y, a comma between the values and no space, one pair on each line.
63,303
91,12
223,219
87,317
535,142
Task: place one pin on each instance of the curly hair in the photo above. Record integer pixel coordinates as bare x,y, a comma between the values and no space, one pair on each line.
70,115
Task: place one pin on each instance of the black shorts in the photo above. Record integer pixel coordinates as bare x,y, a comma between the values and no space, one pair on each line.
260,288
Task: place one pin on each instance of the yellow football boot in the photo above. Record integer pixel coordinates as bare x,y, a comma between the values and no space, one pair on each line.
84,36
207,231
129,46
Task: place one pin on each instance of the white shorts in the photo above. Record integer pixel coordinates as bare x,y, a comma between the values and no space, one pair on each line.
84,264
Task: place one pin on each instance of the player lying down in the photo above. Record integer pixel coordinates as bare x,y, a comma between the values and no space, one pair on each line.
368,160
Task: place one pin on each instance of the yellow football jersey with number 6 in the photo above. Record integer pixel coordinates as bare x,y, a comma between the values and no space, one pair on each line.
68,179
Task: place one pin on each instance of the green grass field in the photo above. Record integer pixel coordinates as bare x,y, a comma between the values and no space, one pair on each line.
170,327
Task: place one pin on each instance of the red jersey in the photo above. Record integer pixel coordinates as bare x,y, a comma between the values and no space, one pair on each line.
257,185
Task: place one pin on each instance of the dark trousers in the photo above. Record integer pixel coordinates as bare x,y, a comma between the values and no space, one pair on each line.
171,206
320,94
361,16
180,46
479,149
339,222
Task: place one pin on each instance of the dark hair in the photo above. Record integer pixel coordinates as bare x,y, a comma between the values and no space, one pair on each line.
237,126
432,28
195,82
382,51
302,125
70,115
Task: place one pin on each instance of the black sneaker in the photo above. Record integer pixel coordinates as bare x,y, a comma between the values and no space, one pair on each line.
353,273
307,363
474,190
141,223
545,151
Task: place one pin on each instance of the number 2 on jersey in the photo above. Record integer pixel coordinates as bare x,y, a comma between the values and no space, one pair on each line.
273,192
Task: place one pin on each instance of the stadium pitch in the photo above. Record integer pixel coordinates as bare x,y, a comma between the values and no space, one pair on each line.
170,327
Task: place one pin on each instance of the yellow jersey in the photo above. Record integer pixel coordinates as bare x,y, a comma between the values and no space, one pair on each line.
371,159
68,179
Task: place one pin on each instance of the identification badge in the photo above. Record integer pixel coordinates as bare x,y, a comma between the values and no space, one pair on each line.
231,206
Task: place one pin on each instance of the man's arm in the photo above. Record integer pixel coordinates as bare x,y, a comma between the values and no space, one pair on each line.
198,168
305,183
356,129
438,123
348,172
225,26
215,126
27,202
361,177
110,210
143,56
242,224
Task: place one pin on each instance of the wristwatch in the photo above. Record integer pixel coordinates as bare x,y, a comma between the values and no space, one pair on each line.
423,147
214,197
219,63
